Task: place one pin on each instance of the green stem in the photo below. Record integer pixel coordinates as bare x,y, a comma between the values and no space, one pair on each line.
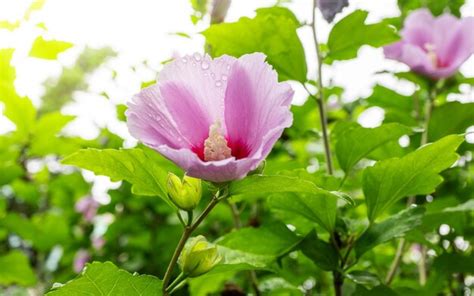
188,230
178,280
320,95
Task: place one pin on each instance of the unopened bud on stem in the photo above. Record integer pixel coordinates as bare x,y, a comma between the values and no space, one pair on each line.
185,193
198,257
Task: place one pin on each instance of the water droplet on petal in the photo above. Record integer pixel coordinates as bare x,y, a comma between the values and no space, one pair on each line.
184,60
228,67
194,64
213,75
197,56
218,83
224,77
205,65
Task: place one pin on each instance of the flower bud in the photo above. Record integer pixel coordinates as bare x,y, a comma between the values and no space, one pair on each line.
185,194
198,257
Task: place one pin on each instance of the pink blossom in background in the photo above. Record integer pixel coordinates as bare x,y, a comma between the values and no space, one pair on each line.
87,206
80,259
217,119
98,242
434,46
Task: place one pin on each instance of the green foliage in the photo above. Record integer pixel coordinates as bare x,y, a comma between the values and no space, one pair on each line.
295,229
416,173
393,227
48,49
450,118
108,279
284,49
437,7
16,269
320,252
343,46
355,142
133,165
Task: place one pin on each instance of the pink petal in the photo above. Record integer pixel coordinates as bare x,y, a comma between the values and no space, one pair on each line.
255,102
149,120
186,87
418,28
203,77
456,41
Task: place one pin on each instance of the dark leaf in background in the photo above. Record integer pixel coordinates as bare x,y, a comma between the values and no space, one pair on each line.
15,269
393,227
329,8
320,252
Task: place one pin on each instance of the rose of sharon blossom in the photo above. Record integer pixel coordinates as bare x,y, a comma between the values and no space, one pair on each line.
87,206
435,47
217,119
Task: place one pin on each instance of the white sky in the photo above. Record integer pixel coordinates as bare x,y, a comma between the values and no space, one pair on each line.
141,30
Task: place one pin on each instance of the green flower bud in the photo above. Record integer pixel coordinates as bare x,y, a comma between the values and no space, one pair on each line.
185,194
198,257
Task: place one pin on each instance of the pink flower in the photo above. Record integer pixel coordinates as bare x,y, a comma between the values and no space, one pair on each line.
87,206
217,119
435,47
80,259
98,242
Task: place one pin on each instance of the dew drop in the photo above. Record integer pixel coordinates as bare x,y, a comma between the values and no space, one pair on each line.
205,65
224,77
184,60
213,75
197,56
194,64
228,67
218,83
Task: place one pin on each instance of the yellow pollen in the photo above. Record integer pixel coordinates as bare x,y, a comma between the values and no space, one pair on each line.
430,48
215,146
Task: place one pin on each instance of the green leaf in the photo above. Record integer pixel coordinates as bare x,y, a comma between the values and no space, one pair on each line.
461,116
447,215
390,99
236,260
350,33
356,142
136,166
16,270
48,49
416,173
437,7
363,277
44,230
274,239
46,139
320,209
9,165
19,110
107,279
272,32
264,185
320,252
393,227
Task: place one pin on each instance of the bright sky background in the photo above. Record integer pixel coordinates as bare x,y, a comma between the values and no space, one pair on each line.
142,30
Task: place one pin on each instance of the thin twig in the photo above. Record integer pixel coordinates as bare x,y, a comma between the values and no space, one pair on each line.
188,230
320,95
